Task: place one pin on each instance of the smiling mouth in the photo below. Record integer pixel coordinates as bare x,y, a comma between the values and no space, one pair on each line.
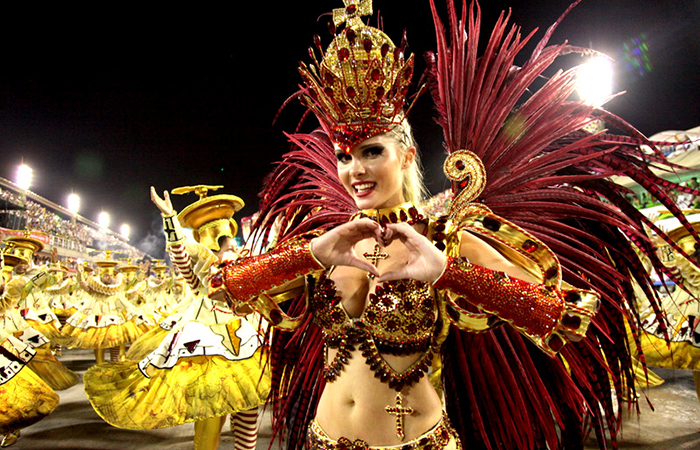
363,188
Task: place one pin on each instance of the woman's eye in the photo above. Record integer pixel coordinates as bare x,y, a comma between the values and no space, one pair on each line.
373,151
343,157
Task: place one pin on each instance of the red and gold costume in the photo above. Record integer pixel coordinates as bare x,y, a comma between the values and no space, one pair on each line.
527,177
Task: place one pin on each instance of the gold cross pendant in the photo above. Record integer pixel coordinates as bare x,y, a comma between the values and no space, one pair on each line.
399,411
374,257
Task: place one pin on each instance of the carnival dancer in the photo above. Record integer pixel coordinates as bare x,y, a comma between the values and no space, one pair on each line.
105,319
60,295
157,290
24,397
33,304
146,317
149,341
210,364
24,288
393,294
678,347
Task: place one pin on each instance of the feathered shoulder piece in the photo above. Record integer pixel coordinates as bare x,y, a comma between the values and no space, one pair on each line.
528,154
303,192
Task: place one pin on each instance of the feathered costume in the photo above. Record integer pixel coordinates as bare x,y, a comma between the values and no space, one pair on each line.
546,175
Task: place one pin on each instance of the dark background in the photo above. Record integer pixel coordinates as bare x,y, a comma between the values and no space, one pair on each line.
108,100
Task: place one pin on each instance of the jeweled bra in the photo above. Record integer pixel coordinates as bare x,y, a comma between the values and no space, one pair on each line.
399,319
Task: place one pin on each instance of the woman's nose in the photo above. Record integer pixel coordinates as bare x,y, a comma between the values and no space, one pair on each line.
358,167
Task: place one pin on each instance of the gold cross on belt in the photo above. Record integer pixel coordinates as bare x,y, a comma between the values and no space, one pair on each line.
399,411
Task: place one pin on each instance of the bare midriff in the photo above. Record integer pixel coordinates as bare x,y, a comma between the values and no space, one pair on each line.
354,404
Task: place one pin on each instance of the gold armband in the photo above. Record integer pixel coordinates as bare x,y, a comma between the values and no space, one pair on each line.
540,312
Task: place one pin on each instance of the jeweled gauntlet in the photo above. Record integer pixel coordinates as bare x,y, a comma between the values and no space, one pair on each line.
542,313
248,278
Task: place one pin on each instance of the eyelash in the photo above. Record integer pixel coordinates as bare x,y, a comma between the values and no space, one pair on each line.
369,152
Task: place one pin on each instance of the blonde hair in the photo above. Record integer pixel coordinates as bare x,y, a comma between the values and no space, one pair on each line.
413,188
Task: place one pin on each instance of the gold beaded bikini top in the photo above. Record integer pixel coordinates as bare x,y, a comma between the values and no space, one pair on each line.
398,320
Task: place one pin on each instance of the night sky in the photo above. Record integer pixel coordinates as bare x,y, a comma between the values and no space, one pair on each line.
108,100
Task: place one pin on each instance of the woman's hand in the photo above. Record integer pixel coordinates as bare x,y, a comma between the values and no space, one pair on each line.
425,262
164,204
337,247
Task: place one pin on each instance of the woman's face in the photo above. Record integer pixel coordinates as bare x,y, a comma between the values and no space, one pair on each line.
373,171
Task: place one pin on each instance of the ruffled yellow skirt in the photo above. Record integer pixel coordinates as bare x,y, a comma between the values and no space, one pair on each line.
679,355
24,400
197,388
47,329
146,343
48,368
101,337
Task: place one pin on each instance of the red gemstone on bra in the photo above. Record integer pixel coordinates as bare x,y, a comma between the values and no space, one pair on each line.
376,74
350,91
344,54
351,10
367,44
275,317
460,165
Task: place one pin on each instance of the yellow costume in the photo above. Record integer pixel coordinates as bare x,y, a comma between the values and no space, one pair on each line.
105,318
24,397
19,250
207,366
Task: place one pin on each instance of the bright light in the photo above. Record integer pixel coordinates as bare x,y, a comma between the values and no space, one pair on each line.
594,81
125,230
24,176
74,203
103,219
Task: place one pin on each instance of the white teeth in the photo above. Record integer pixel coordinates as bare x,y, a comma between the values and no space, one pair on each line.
363,186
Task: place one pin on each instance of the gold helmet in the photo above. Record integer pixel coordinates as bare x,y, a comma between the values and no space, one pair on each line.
22,248
107,265
210,217
129,270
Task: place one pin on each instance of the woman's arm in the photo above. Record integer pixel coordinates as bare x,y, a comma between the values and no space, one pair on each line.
263,281
546,314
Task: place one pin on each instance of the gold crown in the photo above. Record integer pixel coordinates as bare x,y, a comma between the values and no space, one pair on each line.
210,217
359,88
21,248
